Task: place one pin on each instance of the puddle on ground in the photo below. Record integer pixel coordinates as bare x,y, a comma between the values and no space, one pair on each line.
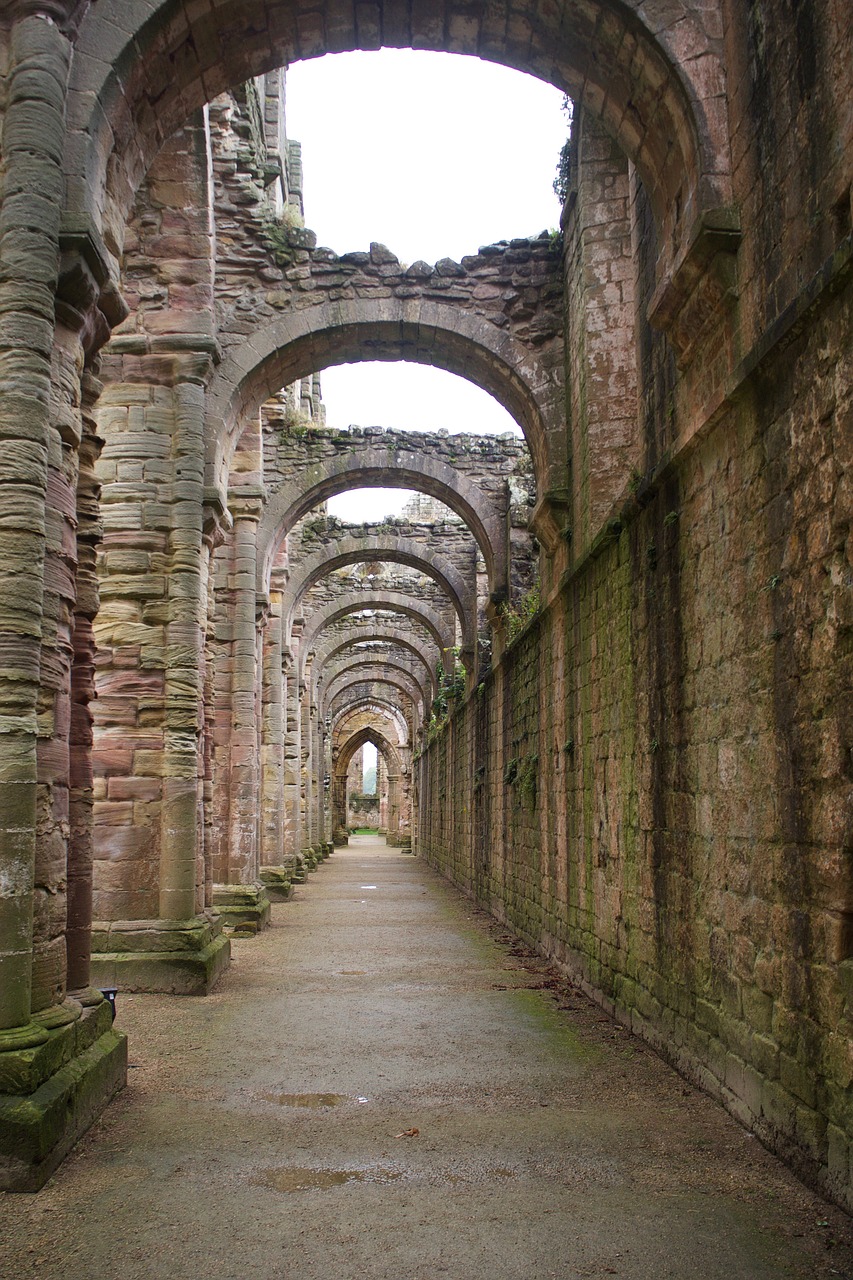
313,1100
319,1179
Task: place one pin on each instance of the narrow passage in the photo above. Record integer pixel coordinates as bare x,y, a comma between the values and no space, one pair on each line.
259,1134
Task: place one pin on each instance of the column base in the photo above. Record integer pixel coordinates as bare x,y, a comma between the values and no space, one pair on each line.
245,908
397,840
276,881
295,867
52,1093
180,957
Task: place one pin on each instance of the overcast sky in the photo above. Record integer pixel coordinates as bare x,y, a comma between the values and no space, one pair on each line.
433,155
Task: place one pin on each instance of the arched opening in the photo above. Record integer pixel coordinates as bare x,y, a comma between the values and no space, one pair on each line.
666,113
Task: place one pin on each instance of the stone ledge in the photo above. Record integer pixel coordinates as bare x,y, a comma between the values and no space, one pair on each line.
22,1071
38,1129
180,973
155,935
245,908
277,882
181,957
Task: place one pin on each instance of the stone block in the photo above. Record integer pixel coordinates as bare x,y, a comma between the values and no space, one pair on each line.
277,882
244,909
38,1128
179,957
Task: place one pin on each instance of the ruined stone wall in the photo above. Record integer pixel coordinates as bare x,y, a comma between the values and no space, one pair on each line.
657,775
445,536
390,579
601,350
499,467
492,461
654,783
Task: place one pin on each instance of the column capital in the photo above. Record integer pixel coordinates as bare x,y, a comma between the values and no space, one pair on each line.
88,299
247,504
551,516
65,14
216,518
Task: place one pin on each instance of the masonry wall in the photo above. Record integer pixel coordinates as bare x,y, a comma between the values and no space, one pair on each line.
657,775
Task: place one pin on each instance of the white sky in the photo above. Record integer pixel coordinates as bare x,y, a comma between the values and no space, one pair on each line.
370,758
433,155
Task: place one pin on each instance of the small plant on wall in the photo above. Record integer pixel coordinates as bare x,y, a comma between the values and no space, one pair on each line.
516,619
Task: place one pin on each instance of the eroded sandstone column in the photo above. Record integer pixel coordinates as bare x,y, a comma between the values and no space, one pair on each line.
238,892
340,834
273,871
292,760
392,821
46,1039
29,254
307,766
81,837
154,929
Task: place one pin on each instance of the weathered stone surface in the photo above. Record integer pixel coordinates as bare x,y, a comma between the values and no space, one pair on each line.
651,781
183,957
42,1114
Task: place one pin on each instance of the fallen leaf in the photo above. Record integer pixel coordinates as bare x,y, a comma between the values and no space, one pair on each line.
408,1133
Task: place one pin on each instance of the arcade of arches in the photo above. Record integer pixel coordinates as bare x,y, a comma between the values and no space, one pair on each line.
606,669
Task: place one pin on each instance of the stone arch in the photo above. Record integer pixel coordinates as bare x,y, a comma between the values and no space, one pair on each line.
368,734
657,82
374,468
393,550
349,666
338,643
352,662
297,343
354,602
397,761
375,676
363,704
370,702
342,754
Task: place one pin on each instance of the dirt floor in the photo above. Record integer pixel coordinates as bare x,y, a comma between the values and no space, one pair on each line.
263,1132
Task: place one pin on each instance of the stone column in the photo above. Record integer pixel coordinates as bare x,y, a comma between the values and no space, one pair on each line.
292,761
181,851
29,256
328,817
307,767
149,883
55,1077
215,520
405,818
273,872
392,822
153,931
81,838
240,896
319,790
340,834
318,836
382,793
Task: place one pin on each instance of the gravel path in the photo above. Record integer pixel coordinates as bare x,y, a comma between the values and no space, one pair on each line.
262,1133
